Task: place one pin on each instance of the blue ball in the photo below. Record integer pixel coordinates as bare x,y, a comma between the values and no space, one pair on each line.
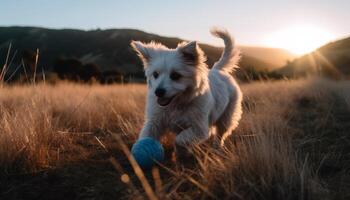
146,151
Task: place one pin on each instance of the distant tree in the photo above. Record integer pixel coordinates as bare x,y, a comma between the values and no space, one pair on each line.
89,71
29,58
22,70
68,68
111,76
288,62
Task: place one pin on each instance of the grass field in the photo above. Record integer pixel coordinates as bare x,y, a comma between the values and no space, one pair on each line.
293,142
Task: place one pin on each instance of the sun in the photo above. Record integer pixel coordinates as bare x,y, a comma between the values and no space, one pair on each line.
298,39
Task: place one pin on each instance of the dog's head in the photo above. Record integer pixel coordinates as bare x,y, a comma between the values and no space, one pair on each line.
172,72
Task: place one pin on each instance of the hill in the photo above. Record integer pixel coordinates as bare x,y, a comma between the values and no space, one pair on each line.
110,49
331,60
273,56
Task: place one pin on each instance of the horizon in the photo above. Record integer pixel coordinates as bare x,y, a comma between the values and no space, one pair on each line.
147,32
192,20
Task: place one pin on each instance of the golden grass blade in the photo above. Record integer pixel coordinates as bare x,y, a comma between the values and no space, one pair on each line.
13,73
36,64
4,68
192,180
137,169
24,69
118,167
157,181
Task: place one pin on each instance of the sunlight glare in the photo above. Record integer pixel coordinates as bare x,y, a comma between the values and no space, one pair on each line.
298,39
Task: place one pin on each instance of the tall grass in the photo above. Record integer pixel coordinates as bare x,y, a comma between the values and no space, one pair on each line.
263,165
36,122
269,164
261,161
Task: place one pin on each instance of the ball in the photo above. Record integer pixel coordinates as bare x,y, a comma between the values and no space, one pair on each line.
146,151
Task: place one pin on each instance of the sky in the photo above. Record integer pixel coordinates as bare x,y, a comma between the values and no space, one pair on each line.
251,22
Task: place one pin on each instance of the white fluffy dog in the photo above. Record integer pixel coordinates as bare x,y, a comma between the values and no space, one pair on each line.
184,96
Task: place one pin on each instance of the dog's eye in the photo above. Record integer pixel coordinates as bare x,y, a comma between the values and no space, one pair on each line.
155,75
175,76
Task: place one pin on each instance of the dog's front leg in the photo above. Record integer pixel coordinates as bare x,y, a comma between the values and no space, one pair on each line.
192,136
150,130
186,140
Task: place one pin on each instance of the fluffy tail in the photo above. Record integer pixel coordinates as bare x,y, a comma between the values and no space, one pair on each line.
230,56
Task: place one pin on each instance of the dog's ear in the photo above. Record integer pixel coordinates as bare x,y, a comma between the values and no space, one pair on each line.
142,51
190,52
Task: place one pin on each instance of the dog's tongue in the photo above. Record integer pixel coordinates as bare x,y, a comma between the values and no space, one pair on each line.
163,101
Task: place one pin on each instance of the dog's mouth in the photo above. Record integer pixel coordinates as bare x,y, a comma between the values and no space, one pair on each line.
164,101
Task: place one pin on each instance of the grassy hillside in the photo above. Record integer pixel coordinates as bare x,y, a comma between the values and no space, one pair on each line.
299,150
274,57
110,49
330,60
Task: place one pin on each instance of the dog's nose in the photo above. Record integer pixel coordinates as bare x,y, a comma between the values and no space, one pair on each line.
160,92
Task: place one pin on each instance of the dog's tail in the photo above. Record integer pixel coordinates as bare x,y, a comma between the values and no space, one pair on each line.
230,56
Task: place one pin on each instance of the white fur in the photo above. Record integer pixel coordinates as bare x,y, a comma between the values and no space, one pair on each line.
201,98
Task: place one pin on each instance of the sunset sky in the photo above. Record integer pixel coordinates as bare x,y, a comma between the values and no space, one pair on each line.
258,23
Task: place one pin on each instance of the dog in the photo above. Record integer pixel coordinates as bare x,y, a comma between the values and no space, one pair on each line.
185,96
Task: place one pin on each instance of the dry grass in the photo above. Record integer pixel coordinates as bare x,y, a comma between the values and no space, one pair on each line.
37,124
